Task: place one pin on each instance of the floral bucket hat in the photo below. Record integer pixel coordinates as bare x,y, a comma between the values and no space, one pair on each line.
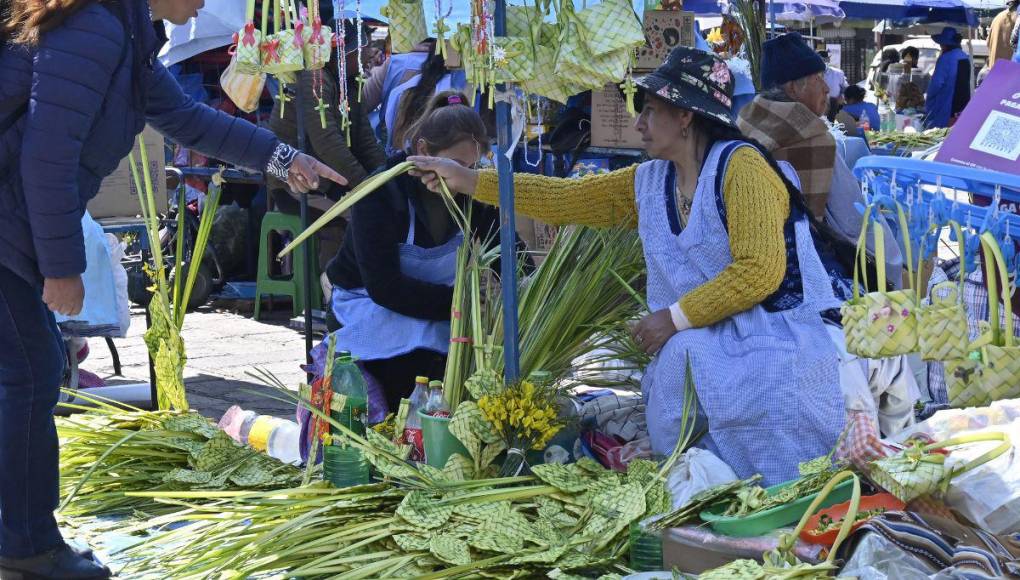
694,80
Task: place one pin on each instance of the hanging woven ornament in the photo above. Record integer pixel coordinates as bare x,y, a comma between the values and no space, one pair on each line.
628,87
317,38
247,55
441,28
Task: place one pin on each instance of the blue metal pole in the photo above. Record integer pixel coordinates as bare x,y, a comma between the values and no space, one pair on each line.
508,229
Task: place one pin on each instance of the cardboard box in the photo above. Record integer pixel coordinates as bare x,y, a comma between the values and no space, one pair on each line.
664,31
611,124
118,198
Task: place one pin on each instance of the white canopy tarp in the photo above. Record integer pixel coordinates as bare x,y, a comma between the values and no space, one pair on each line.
215,27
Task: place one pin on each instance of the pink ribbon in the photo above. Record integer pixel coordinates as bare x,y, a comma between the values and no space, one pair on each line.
271,48
249,34
316,37
298,38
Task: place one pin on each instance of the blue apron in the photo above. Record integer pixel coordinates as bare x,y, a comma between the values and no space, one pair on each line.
372,332
767,382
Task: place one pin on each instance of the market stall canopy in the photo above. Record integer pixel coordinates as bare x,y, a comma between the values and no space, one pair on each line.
817,11
949,11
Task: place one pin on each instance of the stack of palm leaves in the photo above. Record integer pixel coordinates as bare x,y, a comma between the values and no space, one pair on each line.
170,298
561,521
579,300
110,449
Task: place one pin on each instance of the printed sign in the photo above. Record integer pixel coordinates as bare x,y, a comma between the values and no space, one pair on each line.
664,31
986,134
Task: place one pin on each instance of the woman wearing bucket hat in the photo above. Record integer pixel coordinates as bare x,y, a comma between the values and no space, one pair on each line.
949,89
734,277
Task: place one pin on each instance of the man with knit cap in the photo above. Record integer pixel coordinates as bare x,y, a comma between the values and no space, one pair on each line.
787,120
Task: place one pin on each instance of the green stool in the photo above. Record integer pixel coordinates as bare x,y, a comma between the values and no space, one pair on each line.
293,285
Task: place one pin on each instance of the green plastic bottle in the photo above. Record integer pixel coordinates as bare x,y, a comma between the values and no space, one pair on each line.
348,466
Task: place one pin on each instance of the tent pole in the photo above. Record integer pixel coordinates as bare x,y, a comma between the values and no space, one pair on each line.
508,226
970,54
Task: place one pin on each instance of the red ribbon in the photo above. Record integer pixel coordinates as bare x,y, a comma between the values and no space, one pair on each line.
298,38
249,34
322,398
316,37
271,48
461,340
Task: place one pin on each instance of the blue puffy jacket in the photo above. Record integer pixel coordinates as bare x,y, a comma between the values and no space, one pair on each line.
90,87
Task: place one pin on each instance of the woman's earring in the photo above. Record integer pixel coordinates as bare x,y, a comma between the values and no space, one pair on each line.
684,132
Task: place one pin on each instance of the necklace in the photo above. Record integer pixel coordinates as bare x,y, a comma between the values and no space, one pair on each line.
684,205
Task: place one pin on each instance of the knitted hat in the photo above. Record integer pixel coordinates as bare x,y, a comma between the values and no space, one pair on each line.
788,58
693,80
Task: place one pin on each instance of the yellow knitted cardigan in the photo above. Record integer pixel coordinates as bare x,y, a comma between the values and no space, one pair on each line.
757,205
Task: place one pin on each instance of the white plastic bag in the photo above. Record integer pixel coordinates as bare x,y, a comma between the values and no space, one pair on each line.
697,470
989,496
103,312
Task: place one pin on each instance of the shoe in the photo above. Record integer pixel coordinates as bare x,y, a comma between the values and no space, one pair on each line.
63,563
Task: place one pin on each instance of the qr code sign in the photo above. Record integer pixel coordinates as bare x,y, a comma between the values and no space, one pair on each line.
999,136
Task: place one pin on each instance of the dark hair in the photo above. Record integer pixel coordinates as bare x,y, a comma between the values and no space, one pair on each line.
889,56
844,251
854,93
413,102
447,121
912,51
824,54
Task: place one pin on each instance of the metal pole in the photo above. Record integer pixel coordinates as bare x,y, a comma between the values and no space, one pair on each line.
970,54
508,228
307,249
771,32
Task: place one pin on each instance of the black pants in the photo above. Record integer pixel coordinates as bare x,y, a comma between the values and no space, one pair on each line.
397,374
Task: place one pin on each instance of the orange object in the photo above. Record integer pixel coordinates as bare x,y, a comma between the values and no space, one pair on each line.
838,511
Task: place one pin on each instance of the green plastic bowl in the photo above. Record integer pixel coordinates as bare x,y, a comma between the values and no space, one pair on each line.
761,523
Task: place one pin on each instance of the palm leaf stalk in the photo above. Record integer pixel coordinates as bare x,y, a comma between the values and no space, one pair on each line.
110,449
168,306
749,15
579,298
574,518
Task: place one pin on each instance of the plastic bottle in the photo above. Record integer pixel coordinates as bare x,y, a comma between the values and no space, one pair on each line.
349,466
232,421
436,405
412,429
888,118
283,442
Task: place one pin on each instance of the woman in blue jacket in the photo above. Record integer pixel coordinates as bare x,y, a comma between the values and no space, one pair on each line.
79,80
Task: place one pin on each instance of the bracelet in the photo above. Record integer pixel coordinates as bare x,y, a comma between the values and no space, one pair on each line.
281,160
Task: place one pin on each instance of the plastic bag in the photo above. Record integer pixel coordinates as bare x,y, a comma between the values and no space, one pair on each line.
697,470
102,313
877,558
989,496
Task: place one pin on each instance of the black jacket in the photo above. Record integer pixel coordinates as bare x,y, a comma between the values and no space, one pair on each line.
370,255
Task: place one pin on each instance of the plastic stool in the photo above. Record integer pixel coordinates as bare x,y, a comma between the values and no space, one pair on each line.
294,285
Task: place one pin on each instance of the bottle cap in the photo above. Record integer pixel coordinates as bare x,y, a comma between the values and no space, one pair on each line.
421,380
435,384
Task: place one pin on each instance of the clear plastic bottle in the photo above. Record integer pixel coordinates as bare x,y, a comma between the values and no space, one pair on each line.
350,466
412,429
436,405
283,443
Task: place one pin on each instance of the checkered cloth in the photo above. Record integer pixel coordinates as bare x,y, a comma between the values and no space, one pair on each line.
862,443
975,300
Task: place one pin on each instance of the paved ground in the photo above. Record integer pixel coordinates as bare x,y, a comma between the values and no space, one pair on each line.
223,344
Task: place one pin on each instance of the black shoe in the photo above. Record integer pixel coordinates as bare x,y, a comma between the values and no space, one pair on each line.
63,563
